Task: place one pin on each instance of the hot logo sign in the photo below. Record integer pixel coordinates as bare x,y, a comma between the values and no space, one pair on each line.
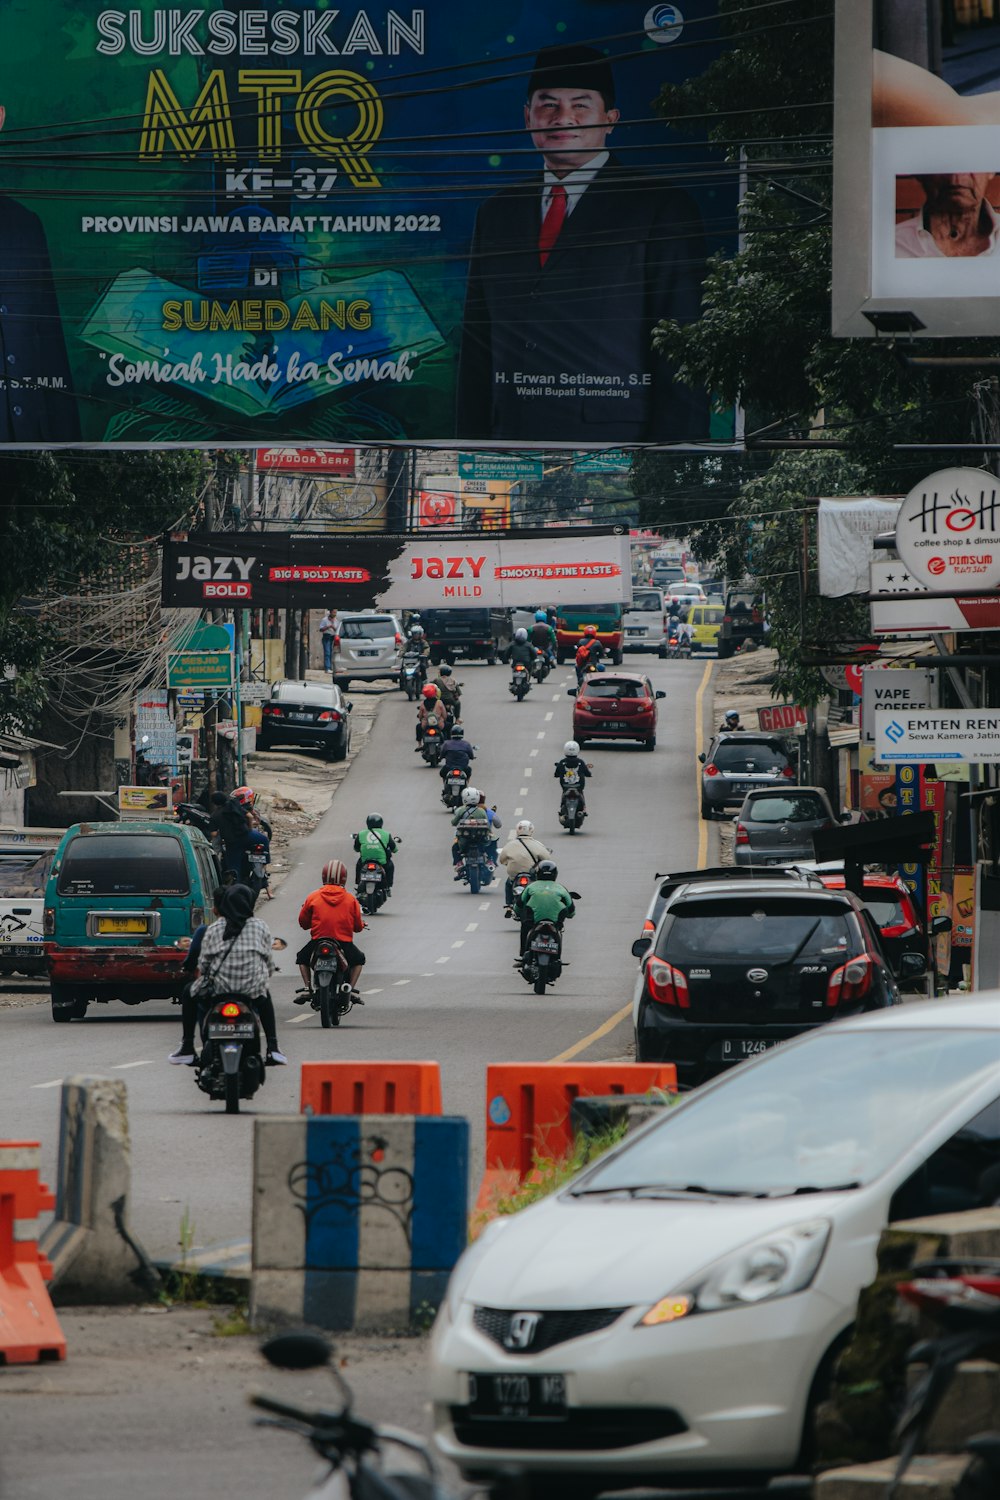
948,530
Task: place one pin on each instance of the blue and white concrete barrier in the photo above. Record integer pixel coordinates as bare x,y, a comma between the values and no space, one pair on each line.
357,1220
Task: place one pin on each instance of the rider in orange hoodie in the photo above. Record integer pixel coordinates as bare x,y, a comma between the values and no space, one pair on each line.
331,912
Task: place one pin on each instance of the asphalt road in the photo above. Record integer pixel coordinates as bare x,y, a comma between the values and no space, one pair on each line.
438,983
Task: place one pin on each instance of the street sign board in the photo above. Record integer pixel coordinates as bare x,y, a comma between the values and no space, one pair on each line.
899,688
200,669
605,461
923,616
778,716
948,530
146,802
516,466
971,735
324,461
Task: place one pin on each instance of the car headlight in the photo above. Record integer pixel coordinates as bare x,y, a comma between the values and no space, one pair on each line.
775,1265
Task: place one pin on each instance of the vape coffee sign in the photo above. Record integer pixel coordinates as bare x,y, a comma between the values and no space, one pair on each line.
948,530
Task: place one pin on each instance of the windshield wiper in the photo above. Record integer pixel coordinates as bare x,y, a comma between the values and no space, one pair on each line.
833,1187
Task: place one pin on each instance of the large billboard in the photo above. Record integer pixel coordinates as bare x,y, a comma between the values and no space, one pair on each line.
916,170
293,570
301,223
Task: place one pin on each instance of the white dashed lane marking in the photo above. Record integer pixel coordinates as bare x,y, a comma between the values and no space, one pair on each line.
540,735
297,1020
527,770
459,943
120,1067
472,927
53,1083
556,697
548,717
400,981
371,992
518,810
485,906
442,960
523,792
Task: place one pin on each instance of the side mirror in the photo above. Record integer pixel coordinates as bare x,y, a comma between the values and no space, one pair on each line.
940,924
660,693
702,757
576,895
640,946
571,692
912,966
349,707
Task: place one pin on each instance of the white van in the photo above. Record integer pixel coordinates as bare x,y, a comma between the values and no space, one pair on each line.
25,861
645,621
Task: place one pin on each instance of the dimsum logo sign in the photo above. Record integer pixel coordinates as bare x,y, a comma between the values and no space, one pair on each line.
948,530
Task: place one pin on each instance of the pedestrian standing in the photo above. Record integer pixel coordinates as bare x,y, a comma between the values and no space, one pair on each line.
328,634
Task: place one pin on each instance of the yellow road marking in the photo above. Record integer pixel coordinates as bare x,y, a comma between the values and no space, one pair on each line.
699,740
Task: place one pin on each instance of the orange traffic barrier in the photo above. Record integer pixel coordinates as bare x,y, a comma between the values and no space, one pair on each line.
528,1112
29,1328
371,1088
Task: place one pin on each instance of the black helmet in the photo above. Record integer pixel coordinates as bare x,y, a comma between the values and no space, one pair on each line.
458,733
445,671
374,820
546,870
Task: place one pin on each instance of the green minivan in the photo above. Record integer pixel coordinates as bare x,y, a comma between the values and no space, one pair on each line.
121,904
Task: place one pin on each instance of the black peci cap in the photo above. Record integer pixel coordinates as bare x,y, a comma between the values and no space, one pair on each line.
573,67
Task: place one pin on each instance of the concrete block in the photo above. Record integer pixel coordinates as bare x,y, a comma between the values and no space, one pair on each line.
598,1114
971,1404
95,1256
930,1477
974,1233
357,1220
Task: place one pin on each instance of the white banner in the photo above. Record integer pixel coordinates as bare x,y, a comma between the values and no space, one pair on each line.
969,735
847,526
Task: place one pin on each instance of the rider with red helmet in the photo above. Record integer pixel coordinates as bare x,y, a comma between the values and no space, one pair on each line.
331,912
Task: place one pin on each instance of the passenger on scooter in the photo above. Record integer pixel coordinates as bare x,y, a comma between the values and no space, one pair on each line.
571,762
233,956
519,856
374,843
496,823
449,690
521,650
470,823
589,652
331,912
544,900
542,635
431,711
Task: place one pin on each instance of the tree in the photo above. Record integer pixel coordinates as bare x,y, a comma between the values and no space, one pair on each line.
63,515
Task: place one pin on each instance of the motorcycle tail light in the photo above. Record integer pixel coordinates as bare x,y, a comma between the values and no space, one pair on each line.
711,769
372,865
325,951
667,985
852,981
742,837
230,1010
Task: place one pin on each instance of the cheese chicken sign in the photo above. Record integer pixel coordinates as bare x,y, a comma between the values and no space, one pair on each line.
291,570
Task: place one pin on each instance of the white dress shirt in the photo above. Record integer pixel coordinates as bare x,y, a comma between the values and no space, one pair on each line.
914,242
576,183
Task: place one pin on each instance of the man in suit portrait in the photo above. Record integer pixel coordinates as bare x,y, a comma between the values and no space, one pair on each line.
570,273
37,404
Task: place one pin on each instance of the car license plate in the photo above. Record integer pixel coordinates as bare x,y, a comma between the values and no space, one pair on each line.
616,724
746,1048
131,925
301,718
22,950
366,651
637,630
542,1397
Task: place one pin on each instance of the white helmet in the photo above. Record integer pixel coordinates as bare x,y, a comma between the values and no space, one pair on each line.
525,828
571,748
417,632
470,797
520,635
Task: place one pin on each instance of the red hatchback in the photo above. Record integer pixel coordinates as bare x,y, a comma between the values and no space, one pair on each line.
615,706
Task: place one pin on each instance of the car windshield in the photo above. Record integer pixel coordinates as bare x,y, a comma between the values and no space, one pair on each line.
306,692
651,603
140,864
798,807
887,912
367,630
836,1110
779,931
605,687
757,757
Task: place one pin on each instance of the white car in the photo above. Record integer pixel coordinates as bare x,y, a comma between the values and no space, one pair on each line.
673,1313
645,621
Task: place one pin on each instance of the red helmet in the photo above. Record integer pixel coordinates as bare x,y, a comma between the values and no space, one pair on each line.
245,795
590,630
335,872
430,691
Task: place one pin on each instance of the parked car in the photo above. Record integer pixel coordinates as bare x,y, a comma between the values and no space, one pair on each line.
121,904
367,647
475,634
737,968
615,706
776,825
735,763
890,902
671,1317
572,620
742,621
308,714
645,621
706,622
24,871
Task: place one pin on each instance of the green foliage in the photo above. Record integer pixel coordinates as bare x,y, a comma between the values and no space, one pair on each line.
62,516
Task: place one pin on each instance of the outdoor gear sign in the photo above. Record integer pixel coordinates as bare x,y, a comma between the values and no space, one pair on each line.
279,224
290,570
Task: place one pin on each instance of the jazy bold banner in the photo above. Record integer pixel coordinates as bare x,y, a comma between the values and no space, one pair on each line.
293,570
295,222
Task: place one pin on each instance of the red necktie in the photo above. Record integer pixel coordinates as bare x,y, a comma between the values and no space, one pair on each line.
552,223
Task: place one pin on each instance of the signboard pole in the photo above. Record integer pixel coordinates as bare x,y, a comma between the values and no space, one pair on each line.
239,616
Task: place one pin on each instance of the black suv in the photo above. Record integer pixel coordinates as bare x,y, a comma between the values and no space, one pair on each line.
738,967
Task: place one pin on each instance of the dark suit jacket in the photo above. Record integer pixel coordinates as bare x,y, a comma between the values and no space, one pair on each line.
631,252
37,404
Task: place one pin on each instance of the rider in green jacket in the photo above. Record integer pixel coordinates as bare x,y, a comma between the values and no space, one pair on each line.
373,842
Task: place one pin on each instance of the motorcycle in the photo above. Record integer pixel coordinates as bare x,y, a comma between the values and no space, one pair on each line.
258,872
571,809
431,744
542,961
678,648
372,889
541,667
353,1449
194,816
331,987
231,1064
455,783
412,674
473,863
518,885
520,681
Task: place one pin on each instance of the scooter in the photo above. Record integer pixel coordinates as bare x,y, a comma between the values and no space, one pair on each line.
475,867
571,809
412,674
331,995
431,744
520,681
518,885
194,816
258,873
231,1064
541,667
455,783
542,961
372,889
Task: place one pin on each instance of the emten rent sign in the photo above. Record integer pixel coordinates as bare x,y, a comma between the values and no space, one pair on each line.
948,530
971,735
